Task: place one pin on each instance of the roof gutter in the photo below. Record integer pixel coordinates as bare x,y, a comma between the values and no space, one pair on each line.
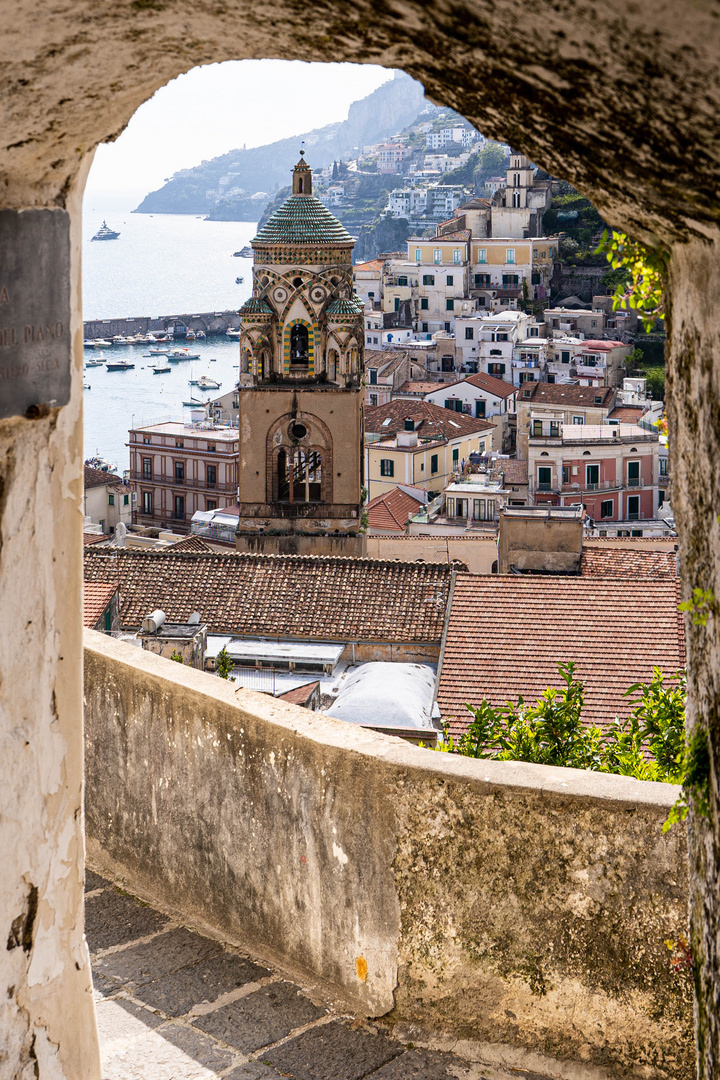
443,640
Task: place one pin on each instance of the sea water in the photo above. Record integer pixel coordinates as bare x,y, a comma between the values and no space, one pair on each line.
161,264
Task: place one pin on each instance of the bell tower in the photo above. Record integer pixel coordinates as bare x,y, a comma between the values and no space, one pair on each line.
300,399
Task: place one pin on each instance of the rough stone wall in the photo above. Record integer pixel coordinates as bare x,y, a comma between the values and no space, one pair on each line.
47,1021
520,908
620,99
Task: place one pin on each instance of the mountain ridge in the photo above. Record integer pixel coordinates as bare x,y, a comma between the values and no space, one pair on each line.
241,182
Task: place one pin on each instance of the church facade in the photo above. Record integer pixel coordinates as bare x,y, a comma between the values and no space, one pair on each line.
300,385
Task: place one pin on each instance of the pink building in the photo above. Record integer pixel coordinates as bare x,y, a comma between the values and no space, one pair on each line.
179,468
613,470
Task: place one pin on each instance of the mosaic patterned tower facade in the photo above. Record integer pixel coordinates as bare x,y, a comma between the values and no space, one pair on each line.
301,371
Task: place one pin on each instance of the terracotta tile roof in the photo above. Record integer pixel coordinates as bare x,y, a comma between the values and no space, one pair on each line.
190,543
419,387
392,510
498,387
99,478
602,346
96,597
431,421
514,471
626,414
476,204
288,596
386,364
372,264
506,636
569,394
93,538
618,562
300,695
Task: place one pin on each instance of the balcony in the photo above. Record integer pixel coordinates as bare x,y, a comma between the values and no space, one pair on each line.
281,866
172,481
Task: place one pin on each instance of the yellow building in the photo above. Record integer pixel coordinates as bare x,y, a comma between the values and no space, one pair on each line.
419,444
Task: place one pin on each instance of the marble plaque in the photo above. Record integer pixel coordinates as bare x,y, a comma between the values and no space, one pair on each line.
35,343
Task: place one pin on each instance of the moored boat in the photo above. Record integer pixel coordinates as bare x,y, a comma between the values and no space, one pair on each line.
161,369
119,365
101,343
206,383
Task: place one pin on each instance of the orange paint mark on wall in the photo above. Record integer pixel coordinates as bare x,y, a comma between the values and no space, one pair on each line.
362,968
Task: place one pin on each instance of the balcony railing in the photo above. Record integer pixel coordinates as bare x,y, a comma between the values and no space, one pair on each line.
187,482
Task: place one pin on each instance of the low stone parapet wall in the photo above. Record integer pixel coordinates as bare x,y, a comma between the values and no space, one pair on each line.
520,908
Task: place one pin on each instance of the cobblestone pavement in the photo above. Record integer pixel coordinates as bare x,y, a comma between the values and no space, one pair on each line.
172,1005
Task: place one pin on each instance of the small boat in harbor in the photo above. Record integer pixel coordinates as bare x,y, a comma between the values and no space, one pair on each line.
119,365
206,383
87,386
105,233
234,333
182,354
101,464
200,335
190,335
161,370
239,280
101,343
99,362
158,352
194,403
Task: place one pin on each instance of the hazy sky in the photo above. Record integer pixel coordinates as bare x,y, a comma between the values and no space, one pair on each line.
219,107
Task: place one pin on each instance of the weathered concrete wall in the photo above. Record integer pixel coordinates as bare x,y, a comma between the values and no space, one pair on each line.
520,908
47,1024
478,554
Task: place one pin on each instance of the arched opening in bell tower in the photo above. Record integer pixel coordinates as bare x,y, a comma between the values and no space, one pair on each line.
299,346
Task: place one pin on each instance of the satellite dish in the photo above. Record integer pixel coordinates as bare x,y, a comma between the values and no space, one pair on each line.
194,619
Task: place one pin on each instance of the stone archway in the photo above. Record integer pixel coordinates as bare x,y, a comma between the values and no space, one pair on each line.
621,100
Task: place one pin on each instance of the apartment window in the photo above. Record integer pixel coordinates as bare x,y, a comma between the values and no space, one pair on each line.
179,470
402,280
606,508
534,331
418,255
496,369
211,504
469,333
450,280
369,339
147,468
567,474
554,428
179,513
373,376
456,456
664,466
633,507
387,467
461,508
371,295
211,447
592,477
434,464
425,328
450,304
457,255
544,478
147,502
480,406
179,444
437,255
424,304
397,303
633,474
537,427
551,378
211,475
510,255
565,357
501,337
428,279
578,419
147,439
126,500
482,255
510,279
373,399
535,277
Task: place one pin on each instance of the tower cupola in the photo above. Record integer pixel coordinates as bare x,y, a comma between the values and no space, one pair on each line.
302,177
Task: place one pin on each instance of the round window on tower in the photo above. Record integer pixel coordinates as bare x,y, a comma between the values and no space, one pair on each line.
298,430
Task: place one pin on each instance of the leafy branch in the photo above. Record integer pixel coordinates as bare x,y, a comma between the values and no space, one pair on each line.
641,286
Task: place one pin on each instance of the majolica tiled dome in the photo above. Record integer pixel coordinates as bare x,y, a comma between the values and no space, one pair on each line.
254,305
339,308
302,219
